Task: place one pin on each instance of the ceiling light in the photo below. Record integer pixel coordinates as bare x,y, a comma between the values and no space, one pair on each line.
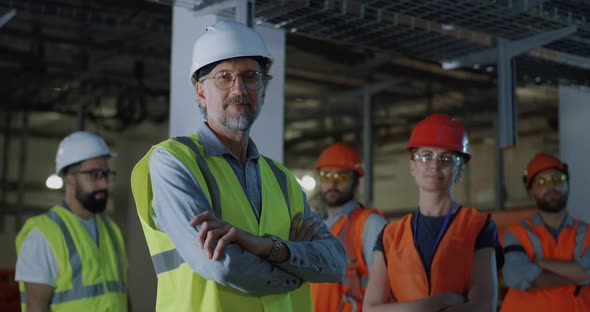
308,183
447,27
54,182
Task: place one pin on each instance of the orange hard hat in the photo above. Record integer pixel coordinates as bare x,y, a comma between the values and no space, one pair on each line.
541,162
340,155
440,130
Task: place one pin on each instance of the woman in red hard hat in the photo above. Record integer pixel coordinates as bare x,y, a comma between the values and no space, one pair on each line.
443,256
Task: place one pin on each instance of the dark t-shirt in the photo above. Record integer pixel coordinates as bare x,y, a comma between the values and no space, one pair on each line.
429,228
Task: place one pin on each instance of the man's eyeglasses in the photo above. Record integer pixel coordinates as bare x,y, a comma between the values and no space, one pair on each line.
225,80
557,178
97,174
445,160
339,177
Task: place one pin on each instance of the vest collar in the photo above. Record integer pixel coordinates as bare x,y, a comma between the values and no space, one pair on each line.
569,220
344,211
214,147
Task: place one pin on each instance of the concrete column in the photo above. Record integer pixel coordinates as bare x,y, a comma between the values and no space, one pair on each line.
574,113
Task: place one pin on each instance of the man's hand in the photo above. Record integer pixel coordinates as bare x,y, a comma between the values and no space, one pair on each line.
309,230
214,230
448,300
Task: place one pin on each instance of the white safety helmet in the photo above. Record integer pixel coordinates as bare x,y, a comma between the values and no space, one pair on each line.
225,40
79,146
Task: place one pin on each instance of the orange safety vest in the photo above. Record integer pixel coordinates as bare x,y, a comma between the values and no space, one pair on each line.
539,243
348,295
451,266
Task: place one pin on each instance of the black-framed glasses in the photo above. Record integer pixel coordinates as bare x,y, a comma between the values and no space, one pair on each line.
225,80
97,174
557,178
445,159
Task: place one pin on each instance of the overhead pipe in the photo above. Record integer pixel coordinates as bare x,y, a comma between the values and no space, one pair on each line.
5,161
368,145
22,166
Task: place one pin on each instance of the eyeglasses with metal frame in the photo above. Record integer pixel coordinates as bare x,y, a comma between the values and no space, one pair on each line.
225,80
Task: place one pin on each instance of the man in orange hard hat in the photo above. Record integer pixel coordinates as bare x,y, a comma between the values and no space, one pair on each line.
340,170
547,262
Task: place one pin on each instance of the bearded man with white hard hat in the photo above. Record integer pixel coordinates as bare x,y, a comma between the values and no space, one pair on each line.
72,258
229,229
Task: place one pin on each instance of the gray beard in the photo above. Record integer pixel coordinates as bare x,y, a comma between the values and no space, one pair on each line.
240,123
246,118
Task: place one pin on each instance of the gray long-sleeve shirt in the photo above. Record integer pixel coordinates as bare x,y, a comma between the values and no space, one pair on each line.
178,197
371,229
519,272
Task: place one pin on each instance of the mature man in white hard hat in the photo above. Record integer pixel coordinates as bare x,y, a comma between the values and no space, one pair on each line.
229,229
72,258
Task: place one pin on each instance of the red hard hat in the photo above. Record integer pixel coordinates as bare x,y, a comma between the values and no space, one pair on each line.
541,162
440,130
340,155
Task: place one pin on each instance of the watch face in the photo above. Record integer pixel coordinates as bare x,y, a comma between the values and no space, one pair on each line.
275,249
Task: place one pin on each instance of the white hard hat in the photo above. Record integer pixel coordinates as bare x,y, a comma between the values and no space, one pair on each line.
225,40
79,146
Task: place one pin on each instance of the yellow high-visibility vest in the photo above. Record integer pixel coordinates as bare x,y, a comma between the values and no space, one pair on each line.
91,277
179,287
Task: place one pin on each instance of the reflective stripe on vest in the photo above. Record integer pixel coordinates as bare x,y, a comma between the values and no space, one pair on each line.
170,260
364,280
207,174
118,247
535,241
78,290
580,238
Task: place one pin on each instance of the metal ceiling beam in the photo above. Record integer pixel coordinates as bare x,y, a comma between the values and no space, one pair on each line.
206,8
371,89
6,17
279,8
561,57
513,48
519,6
97,18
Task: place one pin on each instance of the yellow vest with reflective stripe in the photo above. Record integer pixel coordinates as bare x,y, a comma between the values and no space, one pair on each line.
180,288
90,277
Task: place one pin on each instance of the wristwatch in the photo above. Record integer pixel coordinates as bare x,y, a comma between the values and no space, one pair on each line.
275,250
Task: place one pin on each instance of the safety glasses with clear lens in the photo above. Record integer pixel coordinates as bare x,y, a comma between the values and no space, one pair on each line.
445,159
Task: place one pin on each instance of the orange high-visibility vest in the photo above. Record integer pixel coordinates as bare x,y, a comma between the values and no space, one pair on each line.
564,298
451,266
348,295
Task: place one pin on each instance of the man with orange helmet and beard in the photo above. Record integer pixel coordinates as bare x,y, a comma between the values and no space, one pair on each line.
340,170
547,265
